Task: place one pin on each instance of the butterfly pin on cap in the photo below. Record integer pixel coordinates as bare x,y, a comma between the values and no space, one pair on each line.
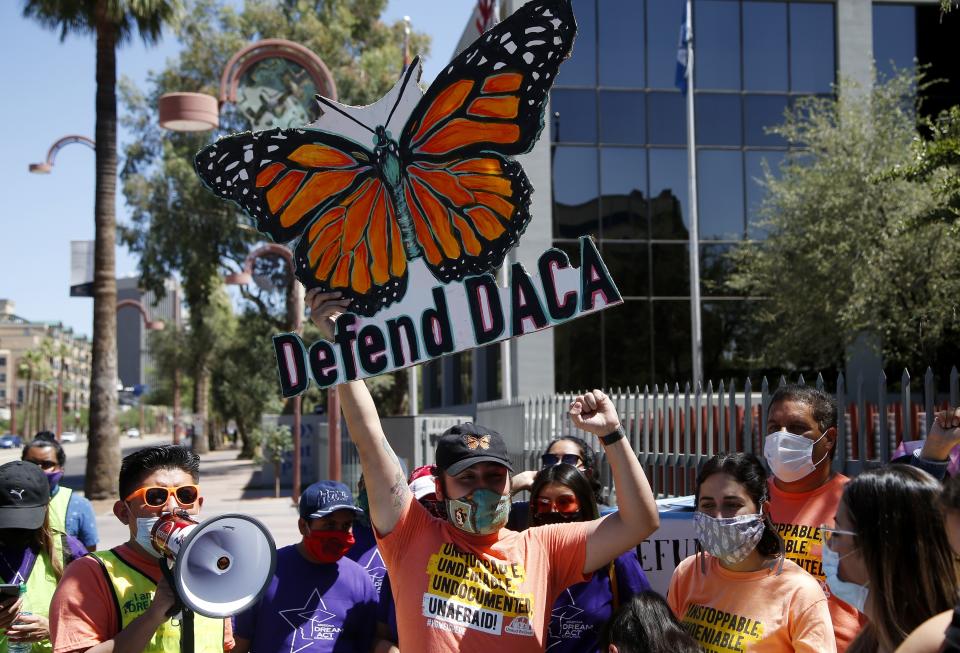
467,444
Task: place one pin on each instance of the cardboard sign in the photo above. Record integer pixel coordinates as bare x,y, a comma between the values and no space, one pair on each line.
412,201
434,319
661,552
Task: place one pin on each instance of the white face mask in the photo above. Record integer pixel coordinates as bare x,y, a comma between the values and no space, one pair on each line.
791,456
850,593
144,530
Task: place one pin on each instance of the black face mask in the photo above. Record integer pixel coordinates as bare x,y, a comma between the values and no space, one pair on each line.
16,538
541,519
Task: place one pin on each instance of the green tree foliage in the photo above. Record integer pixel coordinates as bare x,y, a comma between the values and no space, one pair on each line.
273,443
843,256
936,160
244,378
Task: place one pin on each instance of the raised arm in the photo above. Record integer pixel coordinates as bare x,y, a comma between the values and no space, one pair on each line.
386,484
636,516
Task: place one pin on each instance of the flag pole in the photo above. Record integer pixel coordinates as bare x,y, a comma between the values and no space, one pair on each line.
696,337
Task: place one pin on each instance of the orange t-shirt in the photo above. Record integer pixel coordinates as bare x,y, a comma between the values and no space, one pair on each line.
798,516
753,611
479,594
83,612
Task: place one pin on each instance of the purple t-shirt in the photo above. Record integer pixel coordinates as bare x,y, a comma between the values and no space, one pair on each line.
364,552
581,610
313,608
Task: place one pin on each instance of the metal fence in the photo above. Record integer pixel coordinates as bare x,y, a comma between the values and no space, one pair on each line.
674,431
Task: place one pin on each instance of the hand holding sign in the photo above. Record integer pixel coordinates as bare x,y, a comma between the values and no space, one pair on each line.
325,308
595,413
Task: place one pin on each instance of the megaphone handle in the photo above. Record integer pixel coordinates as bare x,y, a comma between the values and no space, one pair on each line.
186,615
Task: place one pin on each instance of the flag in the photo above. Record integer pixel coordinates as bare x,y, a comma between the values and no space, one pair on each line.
683,41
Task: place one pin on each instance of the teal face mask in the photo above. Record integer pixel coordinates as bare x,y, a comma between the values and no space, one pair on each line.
481,512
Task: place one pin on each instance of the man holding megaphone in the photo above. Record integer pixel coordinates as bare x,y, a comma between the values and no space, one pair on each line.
119,600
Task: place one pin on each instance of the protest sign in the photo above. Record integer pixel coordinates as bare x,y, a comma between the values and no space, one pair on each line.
406,206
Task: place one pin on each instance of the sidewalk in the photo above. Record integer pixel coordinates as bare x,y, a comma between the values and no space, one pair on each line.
223,480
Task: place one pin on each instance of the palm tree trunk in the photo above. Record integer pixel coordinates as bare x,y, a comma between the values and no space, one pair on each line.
26,405
103,452
201,411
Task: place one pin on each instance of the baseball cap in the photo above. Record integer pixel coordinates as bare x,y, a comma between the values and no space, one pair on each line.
325,497
423,486
467,444
24,495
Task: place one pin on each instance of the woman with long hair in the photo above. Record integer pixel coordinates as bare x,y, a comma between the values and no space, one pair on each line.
562,494
740,593
567,450
32,555
889,555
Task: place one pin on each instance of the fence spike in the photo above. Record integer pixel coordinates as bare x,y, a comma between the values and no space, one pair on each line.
929,390
954,387
800,380
820,383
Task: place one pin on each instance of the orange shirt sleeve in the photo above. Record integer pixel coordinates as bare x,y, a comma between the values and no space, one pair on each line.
812,630
566,547
675,591
82,612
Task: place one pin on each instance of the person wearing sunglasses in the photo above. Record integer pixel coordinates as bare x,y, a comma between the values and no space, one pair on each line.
889,555
118,600
70,513
741,593
561,494
569,450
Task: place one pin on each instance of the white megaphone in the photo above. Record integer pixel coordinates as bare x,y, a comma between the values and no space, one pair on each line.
220,566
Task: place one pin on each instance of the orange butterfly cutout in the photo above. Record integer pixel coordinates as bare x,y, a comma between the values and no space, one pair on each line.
477,442
445,190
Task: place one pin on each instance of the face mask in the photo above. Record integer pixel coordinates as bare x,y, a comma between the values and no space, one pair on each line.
850,593
481,512
54,480
435,508
144,534
731,539
790,456
542,519
328,546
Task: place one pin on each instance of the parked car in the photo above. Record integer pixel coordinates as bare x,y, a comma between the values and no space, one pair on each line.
10,441
133,433
68,436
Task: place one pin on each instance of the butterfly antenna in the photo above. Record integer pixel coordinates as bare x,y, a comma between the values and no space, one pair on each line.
332,105
414,65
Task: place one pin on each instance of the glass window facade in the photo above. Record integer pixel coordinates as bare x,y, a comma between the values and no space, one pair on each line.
620,169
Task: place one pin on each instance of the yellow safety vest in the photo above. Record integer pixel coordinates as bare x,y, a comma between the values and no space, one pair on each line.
133,593
41,584
57,509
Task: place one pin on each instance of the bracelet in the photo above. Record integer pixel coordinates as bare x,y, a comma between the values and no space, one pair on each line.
610,438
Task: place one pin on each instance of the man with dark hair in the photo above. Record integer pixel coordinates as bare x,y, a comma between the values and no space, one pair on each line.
468,583
318,600
118,600
68,512
800,446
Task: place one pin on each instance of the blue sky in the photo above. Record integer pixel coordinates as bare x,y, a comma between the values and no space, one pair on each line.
50,93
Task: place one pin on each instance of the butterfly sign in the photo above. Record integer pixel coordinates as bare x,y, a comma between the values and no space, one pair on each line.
416,185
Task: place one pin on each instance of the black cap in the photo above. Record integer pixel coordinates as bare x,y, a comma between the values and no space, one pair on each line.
24,495
467,444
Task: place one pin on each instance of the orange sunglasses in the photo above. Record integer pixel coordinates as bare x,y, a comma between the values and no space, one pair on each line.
156,496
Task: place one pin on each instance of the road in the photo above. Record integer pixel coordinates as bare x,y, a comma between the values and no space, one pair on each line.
223,484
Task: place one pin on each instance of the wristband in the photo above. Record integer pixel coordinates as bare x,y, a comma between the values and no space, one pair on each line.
610,438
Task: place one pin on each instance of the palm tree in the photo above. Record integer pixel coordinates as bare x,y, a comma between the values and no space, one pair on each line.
112,22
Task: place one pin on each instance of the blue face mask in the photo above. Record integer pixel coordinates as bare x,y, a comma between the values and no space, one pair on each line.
850,593
481,512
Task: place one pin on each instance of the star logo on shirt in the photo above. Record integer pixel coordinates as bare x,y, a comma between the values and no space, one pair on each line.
375,566
559,615
310,623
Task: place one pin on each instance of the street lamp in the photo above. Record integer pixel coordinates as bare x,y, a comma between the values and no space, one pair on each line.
294,306
290,65
150,325
46,167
